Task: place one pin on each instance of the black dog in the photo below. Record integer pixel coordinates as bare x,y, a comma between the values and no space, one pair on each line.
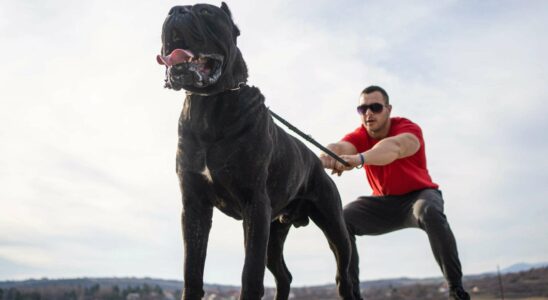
232,155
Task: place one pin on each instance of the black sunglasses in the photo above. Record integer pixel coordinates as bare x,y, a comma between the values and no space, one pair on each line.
375,108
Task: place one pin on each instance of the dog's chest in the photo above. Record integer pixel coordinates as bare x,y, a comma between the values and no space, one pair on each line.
223,190
221,139
210,119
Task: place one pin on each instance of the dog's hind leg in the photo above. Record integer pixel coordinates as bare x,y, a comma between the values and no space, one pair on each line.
275,259
327,215
339,243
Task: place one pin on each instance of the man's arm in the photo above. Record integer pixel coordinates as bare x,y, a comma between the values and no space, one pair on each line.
384,152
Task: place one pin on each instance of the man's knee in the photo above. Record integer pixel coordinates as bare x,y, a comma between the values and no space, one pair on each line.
349,215
429,214
352,217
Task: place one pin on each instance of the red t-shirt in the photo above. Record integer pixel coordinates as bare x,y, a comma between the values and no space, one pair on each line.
402,175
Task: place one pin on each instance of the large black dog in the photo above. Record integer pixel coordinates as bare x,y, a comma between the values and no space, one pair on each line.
231,155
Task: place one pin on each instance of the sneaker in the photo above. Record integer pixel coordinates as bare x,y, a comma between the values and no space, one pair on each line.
458,293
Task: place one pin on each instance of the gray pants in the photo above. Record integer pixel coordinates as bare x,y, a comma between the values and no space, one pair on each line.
375,215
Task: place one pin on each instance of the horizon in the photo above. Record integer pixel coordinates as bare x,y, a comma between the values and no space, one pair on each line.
87,159
513,268
531,266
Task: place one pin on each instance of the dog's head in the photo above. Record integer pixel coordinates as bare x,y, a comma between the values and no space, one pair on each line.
199,49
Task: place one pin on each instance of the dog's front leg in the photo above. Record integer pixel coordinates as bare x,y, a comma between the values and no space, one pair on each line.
196,222
256,230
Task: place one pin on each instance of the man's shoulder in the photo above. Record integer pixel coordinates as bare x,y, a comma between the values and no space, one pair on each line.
358,138
360,131
401,125
401,120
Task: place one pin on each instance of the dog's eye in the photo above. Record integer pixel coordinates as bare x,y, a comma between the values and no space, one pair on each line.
175,36
206,12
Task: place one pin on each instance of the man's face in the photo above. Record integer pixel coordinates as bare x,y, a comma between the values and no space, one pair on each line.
376,123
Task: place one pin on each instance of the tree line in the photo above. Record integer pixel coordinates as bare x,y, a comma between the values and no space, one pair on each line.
93,292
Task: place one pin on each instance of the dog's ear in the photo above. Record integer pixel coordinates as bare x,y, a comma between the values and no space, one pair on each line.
236,31
224,7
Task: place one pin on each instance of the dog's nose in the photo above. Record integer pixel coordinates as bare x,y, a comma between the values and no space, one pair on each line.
179,10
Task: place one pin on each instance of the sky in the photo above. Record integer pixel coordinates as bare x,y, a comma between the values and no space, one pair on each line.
88,133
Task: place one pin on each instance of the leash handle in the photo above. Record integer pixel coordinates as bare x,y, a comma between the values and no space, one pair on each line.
308,138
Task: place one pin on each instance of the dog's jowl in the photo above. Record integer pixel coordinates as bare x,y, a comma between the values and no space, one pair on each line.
232,156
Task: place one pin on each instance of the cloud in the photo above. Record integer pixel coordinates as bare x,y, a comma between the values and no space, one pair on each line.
89,135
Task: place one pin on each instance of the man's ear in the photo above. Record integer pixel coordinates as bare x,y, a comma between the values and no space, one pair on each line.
235,30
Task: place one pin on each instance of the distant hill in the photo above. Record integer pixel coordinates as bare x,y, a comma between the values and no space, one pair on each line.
177,284
520,267
517,285
88,282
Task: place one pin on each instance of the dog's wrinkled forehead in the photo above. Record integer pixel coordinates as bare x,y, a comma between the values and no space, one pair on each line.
208,13
192,22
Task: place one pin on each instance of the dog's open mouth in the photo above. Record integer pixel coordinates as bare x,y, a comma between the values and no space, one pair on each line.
185,68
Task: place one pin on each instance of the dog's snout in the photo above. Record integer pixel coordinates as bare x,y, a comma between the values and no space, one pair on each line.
179,10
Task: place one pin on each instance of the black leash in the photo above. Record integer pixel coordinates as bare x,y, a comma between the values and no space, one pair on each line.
308,138
294,129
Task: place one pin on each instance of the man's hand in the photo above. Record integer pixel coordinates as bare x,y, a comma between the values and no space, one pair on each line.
341,148
329,162
353,160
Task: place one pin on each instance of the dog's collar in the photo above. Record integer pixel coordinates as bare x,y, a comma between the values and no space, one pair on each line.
237,88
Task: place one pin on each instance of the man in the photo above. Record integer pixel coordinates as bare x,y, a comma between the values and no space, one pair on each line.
391,150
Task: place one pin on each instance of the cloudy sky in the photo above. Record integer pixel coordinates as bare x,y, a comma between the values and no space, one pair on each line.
88,133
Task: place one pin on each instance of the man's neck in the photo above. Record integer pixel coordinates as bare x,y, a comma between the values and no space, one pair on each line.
382,132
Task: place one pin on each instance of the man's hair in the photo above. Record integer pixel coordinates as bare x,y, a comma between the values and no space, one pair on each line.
374,88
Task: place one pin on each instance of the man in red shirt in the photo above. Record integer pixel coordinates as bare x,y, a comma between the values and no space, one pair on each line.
391,150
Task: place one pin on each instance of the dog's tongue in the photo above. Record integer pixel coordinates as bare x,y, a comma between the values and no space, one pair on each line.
177,56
